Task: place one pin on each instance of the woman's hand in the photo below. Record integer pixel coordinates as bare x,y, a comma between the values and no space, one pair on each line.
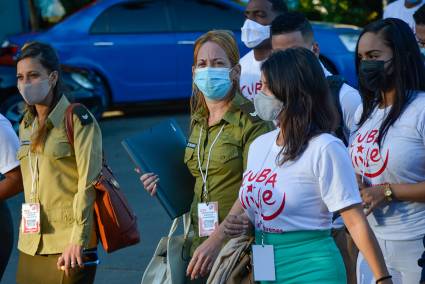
373,197
204,256
149,181
70,258
237,225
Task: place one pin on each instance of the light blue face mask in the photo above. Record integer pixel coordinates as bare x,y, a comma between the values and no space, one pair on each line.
213,82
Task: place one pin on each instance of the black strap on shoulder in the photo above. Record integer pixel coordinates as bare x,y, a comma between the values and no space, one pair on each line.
335,83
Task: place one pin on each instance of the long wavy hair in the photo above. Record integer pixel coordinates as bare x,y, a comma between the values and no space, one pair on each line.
296,78
407,68
48,58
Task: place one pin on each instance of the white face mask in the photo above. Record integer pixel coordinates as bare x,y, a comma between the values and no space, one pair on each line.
254,33
34,93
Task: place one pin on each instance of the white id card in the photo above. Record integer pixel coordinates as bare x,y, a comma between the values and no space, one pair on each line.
207,218
263,263
30,218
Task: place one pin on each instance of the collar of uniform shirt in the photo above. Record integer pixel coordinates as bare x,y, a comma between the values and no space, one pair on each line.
232,116
55,117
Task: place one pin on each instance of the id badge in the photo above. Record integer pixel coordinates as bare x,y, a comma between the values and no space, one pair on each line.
207,218
263,263
30,218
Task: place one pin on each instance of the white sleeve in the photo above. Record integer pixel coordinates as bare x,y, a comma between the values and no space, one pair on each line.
9,145
385,15
421,126
337,181
350,100
387,11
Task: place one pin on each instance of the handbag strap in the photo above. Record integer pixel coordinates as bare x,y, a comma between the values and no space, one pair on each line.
69,123
186,225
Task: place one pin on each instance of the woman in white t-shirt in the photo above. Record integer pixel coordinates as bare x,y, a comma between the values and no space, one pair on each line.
10,184
388,145
299,174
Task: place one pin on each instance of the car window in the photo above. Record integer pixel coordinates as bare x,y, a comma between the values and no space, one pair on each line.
204,15
132,17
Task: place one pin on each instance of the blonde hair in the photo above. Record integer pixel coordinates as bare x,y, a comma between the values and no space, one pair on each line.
227,42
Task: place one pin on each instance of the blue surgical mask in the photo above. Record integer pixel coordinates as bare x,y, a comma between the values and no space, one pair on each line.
213,82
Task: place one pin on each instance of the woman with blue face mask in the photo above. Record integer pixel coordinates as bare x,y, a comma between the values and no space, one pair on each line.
223,125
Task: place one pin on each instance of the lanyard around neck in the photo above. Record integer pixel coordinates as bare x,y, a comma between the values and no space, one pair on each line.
205,175
33,170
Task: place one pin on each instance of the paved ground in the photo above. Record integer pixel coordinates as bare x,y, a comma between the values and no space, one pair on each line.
127,265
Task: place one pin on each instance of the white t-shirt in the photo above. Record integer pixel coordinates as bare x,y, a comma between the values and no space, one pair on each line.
400,159
250,81
301,194
399,11
350,99
9,145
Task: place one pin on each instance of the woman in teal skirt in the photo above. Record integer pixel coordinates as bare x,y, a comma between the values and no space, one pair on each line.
298,174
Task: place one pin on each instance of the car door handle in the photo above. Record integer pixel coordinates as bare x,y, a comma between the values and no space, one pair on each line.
186,42
103,43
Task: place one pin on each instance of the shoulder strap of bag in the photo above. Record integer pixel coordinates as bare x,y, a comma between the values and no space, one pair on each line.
186,225
69,122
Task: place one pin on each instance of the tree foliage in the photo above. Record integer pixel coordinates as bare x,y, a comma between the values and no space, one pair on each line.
356,12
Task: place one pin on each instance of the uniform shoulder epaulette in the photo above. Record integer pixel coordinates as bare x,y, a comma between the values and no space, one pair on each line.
83,114
249,109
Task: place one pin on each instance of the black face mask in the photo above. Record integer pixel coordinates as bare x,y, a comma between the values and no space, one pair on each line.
374,76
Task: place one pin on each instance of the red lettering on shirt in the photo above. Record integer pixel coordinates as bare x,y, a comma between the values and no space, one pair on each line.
366,156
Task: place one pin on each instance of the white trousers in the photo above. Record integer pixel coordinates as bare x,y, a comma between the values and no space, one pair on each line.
401,258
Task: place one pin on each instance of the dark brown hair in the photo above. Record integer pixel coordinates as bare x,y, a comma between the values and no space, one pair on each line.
296,78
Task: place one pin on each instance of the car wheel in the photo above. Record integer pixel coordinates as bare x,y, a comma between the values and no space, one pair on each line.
13,108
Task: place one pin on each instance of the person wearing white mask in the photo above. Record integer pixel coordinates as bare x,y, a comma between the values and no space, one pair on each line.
294,30
403,10
297,175
10,184
256,35
223,125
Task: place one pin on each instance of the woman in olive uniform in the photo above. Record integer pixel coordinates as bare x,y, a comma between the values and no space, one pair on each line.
223,125
57,228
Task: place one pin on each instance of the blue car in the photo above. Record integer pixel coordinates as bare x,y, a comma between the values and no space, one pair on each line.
143,50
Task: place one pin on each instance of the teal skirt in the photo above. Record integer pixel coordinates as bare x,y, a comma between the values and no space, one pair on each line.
305,257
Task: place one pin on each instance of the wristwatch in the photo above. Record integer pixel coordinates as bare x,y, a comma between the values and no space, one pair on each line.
388,192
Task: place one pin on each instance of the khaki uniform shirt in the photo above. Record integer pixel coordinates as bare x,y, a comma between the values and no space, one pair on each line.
228,156
64,184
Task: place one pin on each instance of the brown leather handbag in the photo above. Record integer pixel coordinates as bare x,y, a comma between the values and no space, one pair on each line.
116,222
